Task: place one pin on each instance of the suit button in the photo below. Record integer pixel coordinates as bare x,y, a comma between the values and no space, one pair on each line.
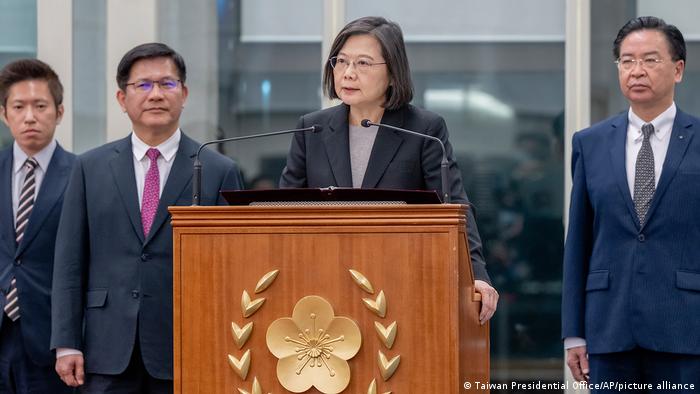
641,238
18,262
134,294
144,257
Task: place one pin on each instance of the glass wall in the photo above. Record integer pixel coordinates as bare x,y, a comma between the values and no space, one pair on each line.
17,40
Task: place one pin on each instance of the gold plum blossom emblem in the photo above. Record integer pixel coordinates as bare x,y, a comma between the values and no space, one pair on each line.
313,347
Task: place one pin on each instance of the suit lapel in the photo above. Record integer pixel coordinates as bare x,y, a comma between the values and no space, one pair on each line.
681,135
338,147
50,192
385,146
617,143
7,220
122,166
178,180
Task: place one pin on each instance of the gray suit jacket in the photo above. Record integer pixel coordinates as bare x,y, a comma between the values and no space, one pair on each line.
109,279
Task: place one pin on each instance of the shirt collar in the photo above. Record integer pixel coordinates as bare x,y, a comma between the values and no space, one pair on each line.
662,123
167,148
43,157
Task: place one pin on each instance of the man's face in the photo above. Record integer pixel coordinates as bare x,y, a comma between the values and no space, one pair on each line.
644,86
31,115
155,112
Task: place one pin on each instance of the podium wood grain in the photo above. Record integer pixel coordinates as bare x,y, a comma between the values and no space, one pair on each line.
416,254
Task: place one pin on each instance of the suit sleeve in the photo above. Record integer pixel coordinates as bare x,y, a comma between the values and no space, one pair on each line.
577,249
294,173
232,180
70,262
432,156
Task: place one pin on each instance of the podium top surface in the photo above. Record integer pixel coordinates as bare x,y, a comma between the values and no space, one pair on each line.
330,195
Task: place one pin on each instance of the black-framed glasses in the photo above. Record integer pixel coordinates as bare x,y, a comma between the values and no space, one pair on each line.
628,63
146,85
341,63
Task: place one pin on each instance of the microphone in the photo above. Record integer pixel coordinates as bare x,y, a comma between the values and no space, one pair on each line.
197,170
443,163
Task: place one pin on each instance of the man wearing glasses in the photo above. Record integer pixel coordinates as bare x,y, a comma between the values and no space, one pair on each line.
631,289
112,292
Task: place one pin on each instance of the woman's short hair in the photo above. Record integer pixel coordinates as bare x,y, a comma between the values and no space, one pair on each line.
390,37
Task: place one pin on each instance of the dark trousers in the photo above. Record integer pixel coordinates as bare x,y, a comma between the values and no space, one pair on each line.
18,373
645,367
134,380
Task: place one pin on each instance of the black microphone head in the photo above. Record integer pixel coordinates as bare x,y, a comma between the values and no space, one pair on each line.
366,123
317,128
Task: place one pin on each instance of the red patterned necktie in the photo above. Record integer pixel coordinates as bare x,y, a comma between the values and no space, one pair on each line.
151,192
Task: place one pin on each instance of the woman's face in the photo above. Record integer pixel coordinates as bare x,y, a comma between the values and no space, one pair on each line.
360,81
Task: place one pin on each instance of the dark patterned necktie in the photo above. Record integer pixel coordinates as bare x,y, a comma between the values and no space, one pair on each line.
24,209
644,182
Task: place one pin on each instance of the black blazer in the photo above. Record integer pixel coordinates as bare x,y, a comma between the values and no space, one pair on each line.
397,160
109,278
31,262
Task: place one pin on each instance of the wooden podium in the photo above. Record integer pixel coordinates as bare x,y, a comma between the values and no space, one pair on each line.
414,257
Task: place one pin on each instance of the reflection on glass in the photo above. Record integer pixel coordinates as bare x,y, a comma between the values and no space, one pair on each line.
17,40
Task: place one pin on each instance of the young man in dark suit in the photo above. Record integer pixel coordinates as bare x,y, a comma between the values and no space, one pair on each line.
112,295
631,290
34,173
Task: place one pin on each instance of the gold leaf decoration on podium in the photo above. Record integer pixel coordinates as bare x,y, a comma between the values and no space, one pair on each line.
256,389
241,335
378,305
372,389
242,366
248,306
362,281
266,281
386,334
313,347
386,367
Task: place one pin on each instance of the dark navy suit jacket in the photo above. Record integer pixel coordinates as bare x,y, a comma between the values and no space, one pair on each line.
31,262
397,161
108,277
625,285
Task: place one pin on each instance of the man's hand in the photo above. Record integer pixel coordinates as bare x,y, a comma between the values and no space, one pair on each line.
489,300
577,360
70,369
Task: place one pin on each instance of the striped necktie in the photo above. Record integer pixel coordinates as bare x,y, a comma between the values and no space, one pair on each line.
24,209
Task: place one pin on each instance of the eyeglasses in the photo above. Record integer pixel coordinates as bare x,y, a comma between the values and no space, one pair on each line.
146,85
361,65
648,63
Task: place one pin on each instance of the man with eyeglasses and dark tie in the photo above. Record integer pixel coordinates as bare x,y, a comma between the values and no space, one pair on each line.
34,172
112,294
631,288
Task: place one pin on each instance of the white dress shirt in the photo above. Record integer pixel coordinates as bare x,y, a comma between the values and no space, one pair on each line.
168,149
663,125
19,171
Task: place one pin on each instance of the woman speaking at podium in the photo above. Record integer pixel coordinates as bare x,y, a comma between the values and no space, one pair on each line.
367,69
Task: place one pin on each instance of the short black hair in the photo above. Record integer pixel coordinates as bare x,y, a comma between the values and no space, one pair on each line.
674,37
390,37
148,51
29,69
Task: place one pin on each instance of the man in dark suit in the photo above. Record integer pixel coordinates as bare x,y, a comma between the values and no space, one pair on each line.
631,290
33,176
112,293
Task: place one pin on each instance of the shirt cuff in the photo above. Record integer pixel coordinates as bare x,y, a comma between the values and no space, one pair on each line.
64,351
570,342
